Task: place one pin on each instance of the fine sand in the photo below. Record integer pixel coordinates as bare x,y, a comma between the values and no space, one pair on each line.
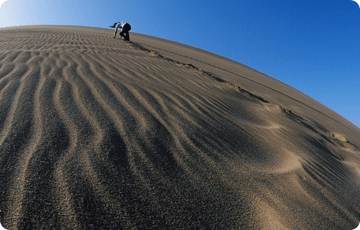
99,133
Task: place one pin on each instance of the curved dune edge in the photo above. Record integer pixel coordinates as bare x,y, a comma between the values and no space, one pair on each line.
98,133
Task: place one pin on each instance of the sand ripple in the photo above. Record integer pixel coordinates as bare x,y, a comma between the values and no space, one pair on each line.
98,133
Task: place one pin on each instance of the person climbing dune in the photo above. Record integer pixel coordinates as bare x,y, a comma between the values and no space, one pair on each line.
125,30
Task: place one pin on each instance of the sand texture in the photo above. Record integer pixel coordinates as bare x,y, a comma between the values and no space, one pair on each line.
99,133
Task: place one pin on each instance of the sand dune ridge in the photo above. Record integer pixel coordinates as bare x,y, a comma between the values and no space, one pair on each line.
98,133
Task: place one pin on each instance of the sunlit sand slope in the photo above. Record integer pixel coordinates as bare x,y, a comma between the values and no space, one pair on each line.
99,133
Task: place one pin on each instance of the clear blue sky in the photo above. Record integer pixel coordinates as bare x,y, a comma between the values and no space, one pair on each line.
312,45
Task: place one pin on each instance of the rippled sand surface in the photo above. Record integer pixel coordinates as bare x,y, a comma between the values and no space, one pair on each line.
99,133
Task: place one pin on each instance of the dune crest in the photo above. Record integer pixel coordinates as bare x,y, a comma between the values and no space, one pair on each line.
98,133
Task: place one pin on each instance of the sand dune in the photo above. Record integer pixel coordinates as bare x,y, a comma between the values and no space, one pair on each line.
99,133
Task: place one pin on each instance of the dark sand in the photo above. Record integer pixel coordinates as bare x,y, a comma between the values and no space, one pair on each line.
99,133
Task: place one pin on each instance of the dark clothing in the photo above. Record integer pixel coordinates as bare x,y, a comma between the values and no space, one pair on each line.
125,32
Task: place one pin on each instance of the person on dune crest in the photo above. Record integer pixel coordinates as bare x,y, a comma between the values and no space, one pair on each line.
125,29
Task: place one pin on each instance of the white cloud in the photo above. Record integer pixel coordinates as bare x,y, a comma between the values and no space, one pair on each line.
2,1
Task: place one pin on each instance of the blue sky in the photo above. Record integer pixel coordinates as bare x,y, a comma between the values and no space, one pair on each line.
312,45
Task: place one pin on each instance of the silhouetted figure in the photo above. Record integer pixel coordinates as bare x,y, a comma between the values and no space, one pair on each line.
125,30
